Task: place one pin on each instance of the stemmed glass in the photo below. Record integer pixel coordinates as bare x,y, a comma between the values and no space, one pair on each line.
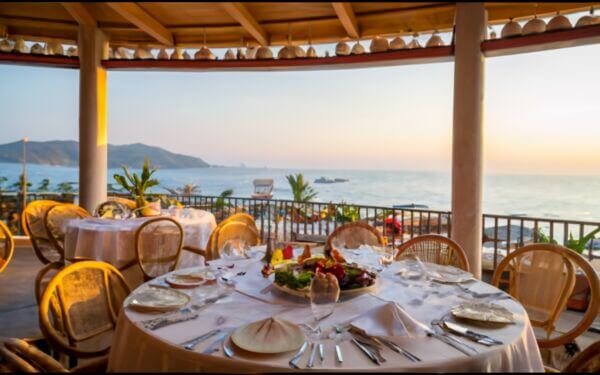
324,294
234,249
389,252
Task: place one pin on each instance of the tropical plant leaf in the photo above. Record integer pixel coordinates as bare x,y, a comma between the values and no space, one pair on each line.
301,190
579,245
227,193
146,170
127,174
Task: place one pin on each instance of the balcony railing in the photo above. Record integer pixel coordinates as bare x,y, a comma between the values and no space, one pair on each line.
287,220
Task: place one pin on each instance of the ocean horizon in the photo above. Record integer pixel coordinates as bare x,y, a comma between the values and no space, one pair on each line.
549,196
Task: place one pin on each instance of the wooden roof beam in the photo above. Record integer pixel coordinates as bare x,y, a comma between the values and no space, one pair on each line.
80,14
140,18
239,12
347,18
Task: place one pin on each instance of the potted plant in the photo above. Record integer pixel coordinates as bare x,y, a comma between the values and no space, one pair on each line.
580,297
303,193
137,186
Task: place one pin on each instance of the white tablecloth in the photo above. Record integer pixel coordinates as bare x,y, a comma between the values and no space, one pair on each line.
137,349
113,241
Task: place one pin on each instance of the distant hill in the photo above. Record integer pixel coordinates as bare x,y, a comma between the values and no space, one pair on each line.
66,153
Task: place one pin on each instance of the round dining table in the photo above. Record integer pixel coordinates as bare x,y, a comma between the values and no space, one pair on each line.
247,296
113,241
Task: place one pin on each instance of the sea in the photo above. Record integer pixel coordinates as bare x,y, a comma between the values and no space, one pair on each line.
547,196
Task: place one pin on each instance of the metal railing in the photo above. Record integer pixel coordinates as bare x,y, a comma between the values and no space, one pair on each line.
288,220
314,221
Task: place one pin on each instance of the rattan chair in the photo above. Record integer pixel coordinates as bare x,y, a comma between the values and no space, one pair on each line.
233,230
55,220
158,245
18,355
212,250
541,277
435,248
352,235
241,217
46,273
7,246
32,222
44,276
79,308
586,361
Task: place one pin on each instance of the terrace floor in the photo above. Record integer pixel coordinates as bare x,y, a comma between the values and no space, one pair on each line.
18,308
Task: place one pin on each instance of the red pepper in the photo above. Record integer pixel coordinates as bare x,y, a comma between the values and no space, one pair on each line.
337,270
288,252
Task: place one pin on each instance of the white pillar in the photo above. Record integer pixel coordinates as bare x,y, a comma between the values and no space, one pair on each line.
467,137
93,158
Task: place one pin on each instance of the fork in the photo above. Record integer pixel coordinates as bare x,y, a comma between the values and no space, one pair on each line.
338,350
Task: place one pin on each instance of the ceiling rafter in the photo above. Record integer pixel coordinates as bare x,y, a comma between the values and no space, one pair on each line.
347,17
239,12
80,14
144,21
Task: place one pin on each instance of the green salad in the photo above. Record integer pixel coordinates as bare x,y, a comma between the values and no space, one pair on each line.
299,281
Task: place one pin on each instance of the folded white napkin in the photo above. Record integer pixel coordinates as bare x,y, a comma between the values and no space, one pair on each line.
389,320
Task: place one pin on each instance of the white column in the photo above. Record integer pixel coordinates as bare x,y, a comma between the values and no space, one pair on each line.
93,158
467,136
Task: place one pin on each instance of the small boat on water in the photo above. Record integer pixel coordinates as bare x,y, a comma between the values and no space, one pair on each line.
411,205
328,180
263,188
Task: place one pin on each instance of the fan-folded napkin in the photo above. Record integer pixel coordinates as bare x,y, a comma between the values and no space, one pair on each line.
389,320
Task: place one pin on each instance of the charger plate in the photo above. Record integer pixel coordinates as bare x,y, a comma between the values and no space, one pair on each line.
157,299
483,312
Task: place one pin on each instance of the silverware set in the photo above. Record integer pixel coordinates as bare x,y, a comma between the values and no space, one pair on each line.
467,333
370,346
182,315
220,333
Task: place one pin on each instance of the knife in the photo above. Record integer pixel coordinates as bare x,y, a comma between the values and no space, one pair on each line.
297,356
367,352
214,346
448,340
191,344
474,336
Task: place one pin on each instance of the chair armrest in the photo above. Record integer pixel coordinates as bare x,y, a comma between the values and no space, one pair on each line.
195,250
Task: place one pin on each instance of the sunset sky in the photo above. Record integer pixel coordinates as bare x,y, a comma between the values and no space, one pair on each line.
542,114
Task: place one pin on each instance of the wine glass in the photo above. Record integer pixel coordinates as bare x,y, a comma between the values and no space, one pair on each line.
324,294
234,249
389,252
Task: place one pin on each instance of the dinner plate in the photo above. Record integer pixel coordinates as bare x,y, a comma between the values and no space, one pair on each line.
305,293
157,299
187,280
269,336
483,312
448,274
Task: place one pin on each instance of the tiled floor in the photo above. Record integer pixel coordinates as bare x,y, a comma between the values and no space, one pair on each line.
18,308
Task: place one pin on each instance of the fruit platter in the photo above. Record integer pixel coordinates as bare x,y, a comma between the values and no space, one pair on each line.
295,277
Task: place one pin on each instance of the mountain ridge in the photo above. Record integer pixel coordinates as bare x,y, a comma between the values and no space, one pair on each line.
66,153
